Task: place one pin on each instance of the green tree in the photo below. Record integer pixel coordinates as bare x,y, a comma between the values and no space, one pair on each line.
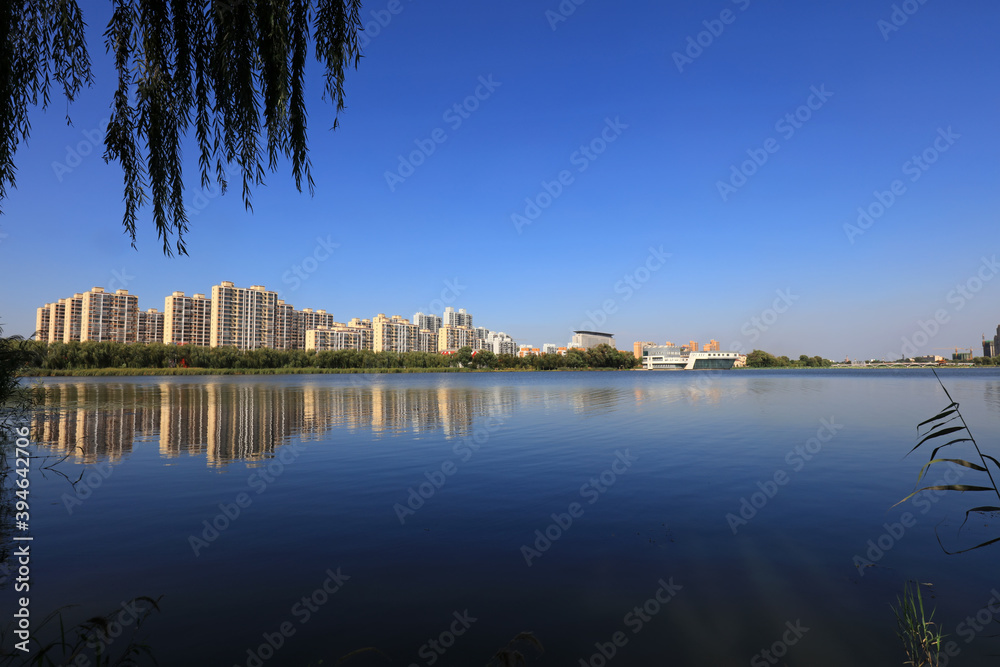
464,356
761,359
485,359
234,70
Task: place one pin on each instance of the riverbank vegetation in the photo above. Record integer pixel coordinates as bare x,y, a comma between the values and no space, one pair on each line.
15,399
106,358
762,359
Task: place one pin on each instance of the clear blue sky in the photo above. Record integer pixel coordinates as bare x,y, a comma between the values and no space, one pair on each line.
677,126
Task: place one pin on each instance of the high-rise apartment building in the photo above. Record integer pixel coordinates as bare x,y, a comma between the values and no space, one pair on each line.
430,322
693,346
451,339
187,320
711,346
286,333
500,343
150,326
57,321
394,334
459,319
43,318
107,316
427,340
364,327
72,317
307,319
339,337
243,317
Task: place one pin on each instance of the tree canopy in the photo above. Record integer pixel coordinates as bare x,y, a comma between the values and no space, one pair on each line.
232,69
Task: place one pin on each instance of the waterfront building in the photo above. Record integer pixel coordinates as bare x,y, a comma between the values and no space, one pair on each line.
187,320
107,316
57,321
989,346
459,319
252,318
43,317
364,327
286,332
338,337
72,314
243,317
394,334
712,346
150,326
500,343
301,322
638,345
586,340
427,341
430,322
452,338
674,358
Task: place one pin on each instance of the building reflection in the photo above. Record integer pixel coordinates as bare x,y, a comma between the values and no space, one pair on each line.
225,421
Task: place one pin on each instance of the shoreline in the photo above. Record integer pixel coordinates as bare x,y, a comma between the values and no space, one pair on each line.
150,372
173,372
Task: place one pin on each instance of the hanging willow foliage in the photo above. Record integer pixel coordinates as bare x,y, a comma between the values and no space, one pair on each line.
40,40
228,67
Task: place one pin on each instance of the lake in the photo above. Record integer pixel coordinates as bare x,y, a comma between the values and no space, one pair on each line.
628,518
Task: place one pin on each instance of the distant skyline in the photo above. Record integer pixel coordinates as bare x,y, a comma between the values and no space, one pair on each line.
802,179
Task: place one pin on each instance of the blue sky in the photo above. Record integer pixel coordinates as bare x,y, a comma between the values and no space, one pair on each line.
624,148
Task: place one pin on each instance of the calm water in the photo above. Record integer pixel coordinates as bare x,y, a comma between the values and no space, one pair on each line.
422,495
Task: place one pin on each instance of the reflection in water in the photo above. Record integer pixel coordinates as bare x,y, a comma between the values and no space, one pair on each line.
227,421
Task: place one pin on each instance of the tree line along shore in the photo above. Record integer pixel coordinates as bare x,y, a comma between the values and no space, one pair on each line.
107,358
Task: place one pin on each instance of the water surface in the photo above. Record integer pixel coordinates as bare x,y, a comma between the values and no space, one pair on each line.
417,499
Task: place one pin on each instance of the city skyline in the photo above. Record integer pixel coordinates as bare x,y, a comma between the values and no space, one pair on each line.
254,317
654,173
